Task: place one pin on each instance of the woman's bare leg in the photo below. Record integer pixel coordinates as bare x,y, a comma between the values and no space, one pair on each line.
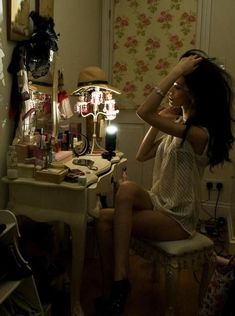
156,226
104,232
133,215
129,198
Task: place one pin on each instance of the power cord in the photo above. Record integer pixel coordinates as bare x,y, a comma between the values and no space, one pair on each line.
209,186
219,187
214,226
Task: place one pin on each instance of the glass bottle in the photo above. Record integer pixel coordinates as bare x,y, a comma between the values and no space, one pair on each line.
12,171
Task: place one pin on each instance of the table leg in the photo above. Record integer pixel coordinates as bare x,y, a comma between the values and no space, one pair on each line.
78,251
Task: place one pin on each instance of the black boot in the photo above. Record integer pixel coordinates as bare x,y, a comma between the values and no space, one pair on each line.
115,304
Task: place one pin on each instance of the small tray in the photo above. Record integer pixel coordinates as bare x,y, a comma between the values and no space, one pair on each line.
53,175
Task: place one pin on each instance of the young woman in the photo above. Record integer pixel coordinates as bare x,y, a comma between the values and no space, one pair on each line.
182,146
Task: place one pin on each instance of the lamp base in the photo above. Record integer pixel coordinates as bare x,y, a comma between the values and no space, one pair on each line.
95,147
108,155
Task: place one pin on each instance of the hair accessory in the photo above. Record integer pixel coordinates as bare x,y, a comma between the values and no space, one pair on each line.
159,91
91,77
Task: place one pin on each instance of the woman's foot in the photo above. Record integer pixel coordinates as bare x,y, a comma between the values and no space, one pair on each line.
115,305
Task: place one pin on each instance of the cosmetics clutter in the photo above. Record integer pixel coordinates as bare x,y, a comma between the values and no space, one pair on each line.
45,149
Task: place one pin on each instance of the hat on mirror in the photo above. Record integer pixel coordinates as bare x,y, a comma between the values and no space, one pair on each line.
91,77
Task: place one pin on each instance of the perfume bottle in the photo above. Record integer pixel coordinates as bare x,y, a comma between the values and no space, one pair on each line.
12,170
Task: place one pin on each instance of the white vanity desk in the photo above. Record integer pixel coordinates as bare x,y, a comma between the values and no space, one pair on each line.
69,203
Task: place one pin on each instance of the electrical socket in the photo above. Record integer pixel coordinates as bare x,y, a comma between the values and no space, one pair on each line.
214,183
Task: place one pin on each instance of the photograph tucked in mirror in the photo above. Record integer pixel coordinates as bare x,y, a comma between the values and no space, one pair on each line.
18,23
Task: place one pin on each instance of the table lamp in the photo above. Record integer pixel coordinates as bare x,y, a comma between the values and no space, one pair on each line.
95,98
110,142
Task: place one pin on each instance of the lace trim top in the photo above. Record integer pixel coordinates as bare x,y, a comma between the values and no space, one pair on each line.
176,182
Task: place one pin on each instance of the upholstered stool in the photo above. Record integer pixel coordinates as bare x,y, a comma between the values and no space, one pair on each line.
194,254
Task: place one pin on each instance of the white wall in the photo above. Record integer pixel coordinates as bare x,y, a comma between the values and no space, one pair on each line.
79,25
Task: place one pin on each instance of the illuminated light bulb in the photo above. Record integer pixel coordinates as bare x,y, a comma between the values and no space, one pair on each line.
111,129
110,138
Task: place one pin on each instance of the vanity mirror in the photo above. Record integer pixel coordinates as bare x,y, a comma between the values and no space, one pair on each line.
34,84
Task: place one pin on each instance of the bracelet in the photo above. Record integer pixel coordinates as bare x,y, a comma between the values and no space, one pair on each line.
159,91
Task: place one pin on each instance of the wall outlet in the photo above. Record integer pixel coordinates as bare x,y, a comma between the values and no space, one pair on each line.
214,183
210,191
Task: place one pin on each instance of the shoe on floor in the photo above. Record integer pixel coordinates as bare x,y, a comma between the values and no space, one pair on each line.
115,305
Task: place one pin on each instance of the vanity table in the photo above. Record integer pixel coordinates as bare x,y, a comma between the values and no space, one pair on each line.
70,203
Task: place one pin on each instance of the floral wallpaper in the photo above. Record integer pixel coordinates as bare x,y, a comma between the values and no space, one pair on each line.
149,37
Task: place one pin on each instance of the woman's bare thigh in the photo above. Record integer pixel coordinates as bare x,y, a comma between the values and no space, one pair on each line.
150,224
130,191
155,225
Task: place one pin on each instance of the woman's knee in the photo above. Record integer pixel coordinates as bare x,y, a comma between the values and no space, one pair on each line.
127,190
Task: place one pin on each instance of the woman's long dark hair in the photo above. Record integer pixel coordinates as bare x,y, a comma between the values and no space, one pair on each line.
210,86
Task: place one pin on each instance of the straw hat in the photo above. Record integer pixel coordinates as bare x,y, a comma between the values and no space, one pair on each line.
91,77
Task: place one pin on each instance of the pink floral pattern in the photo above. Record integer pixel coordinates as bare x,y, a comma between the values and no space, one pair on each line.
149,37
217,293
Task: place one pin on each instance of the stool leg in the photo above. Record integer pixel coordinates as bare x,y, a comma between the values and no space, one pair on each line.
172,277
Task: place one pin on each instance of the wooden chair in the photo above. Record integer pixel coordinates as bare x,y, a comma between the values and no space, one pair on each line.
192,254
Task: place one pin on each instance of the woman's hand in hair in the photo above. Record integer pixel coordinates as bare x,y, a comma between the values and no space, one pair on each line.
187,65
